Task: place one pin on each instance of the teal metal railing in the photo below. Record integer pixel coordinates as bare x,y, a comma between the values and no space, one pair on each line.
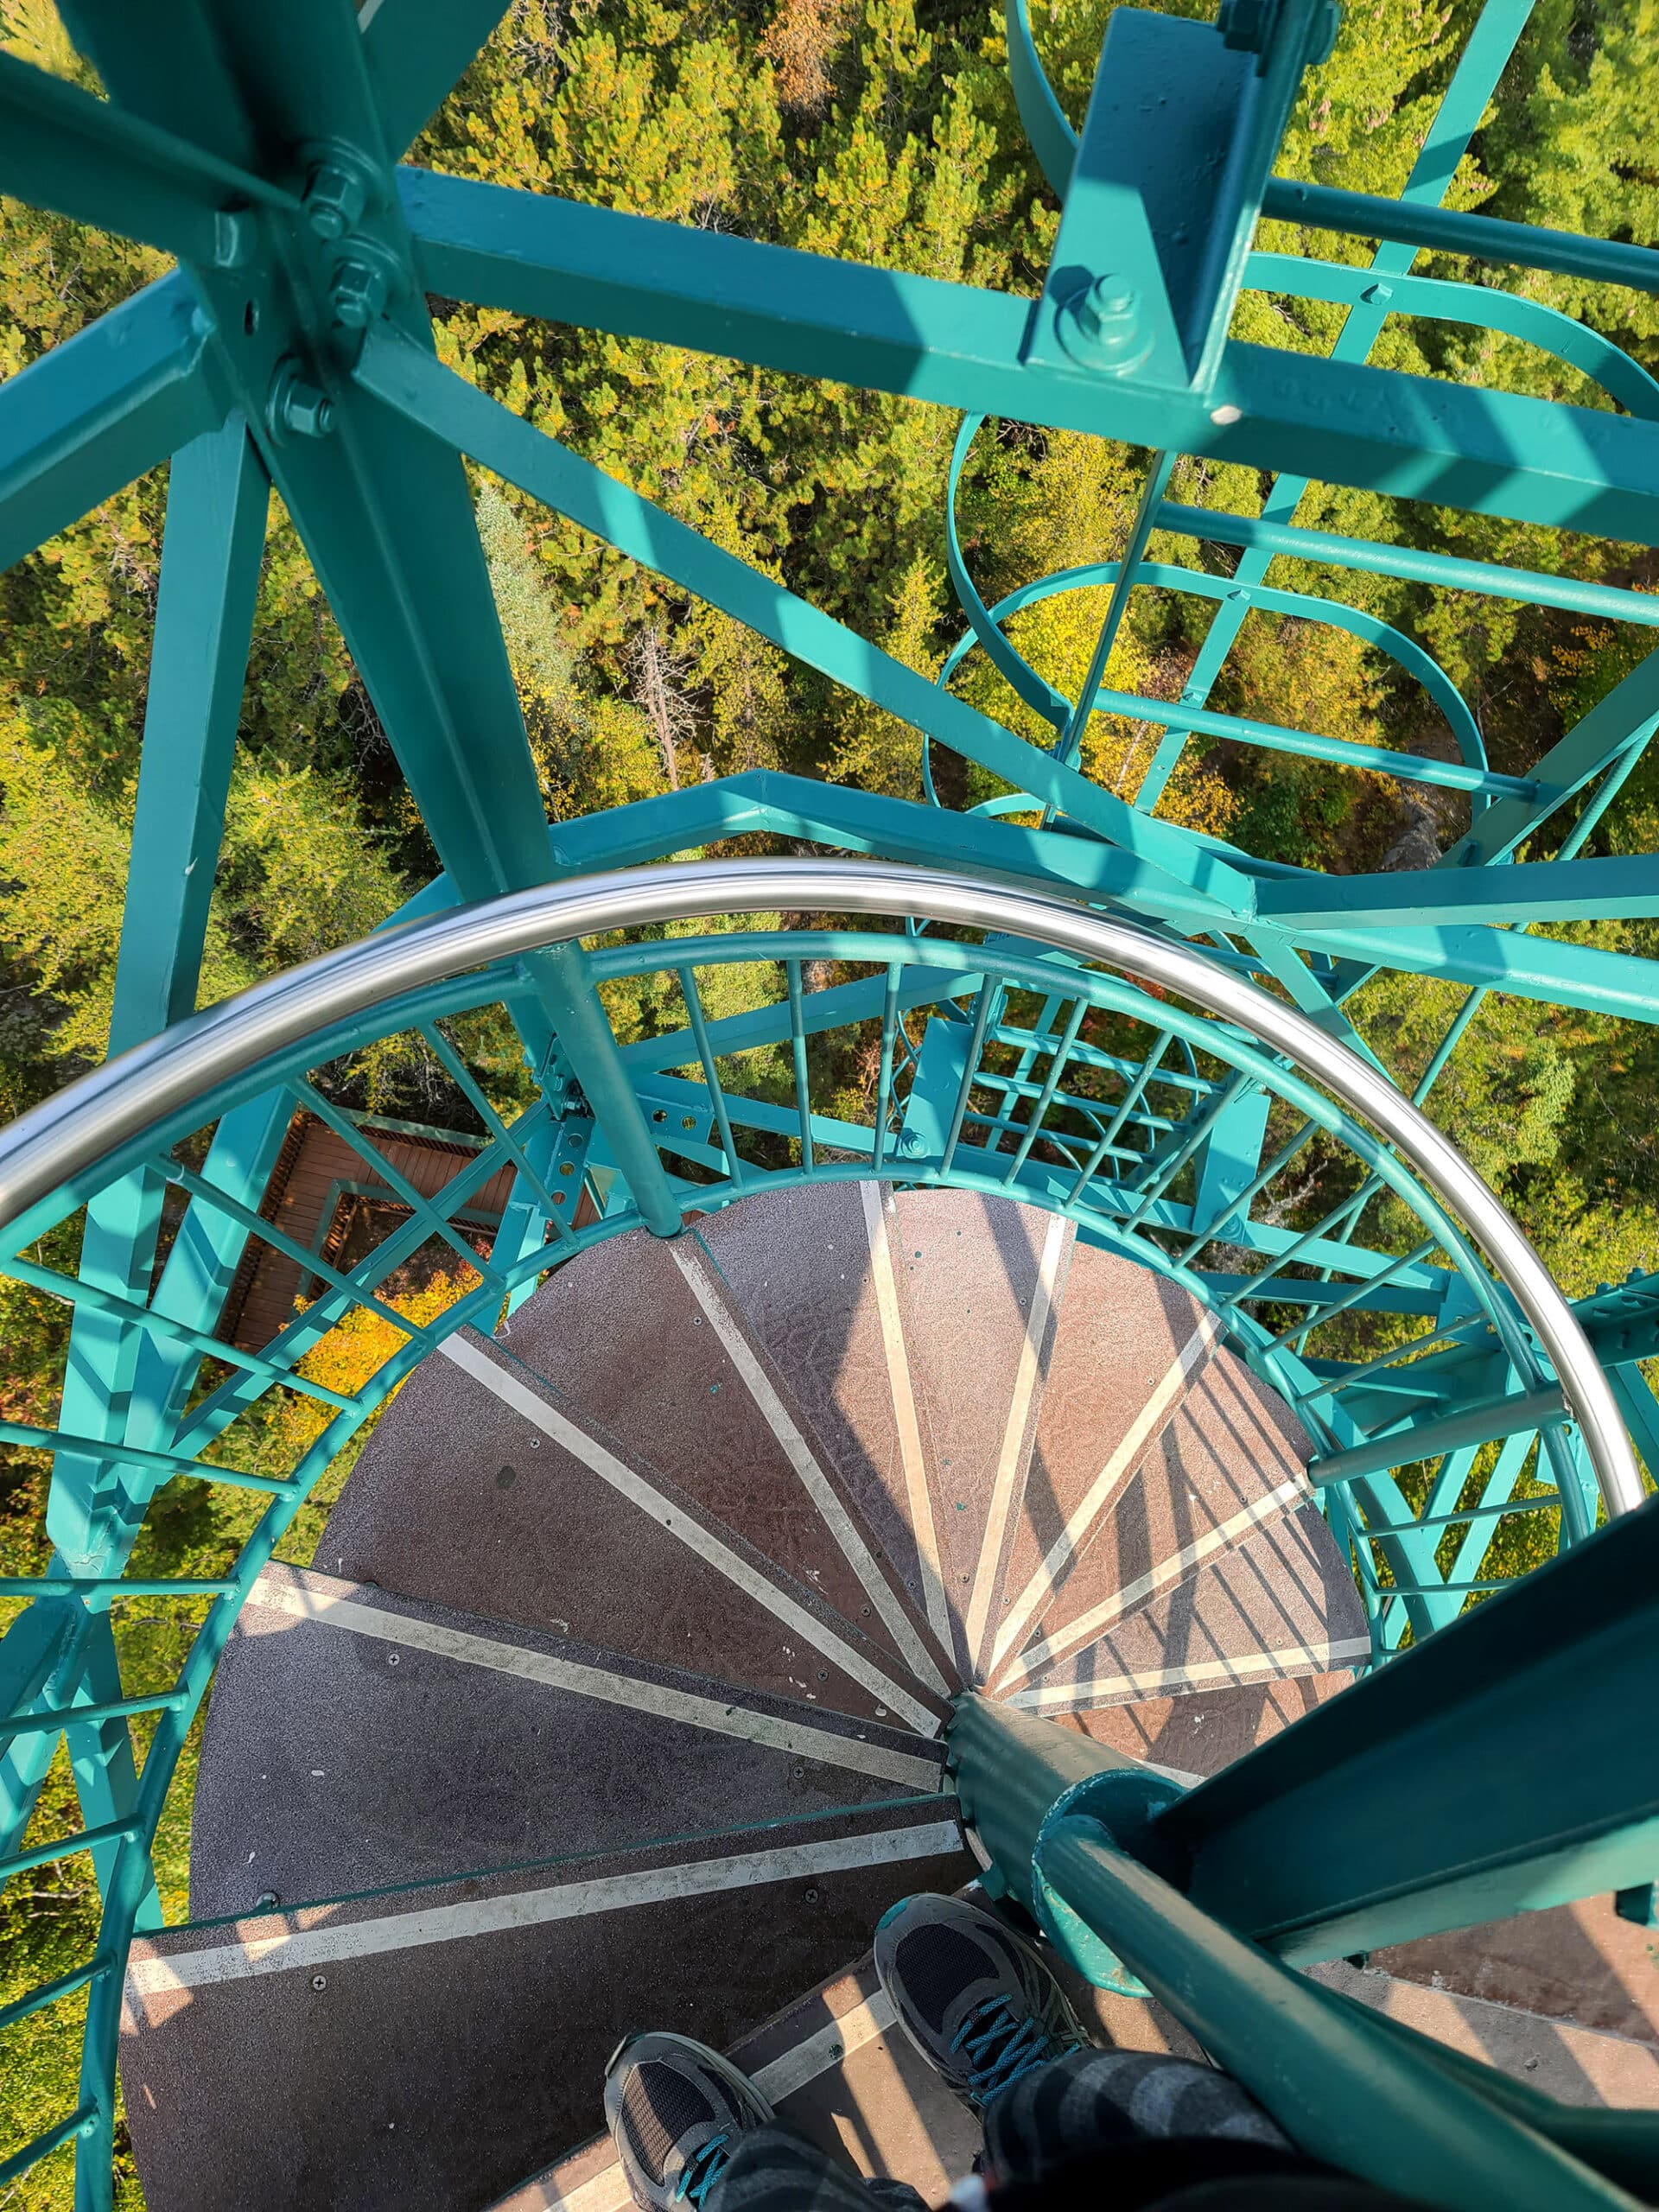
1034,1076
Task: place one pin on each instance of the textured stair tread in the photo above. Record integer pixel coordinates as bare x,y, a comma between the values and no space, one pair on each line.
1114,1373
1579,1964
836,2066
1576,2064
620,1332
798,1264
1280,1603
1231,1454
458,2039
460,1499
356,1740
967,1270
1206,1730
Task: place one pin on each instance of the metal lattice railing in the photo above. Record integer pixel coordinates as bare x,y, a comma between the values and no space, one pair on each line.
1033,1076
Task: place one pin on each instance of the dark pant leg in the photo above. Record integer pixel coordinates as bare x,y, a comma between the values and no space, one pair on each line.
1093,2100
775,2170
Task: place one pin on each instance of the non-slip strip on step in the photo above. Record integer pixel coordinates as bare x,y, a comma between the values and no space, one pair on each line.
1049,1651
1028,1608
804,1461
475,1361
311,1600
1201,1675
288,1950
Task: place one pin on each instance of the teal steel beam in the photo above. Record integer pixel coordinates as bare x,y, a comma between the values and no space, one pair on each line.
101,409
1460,231
1341,752
214,535
1481,306
1415,437
412,381
1536,891
95,163
1074,1831
1300,1844
1268,535
1617,984
415,52
383,513
217,493
766,801
1627,715
1465,1425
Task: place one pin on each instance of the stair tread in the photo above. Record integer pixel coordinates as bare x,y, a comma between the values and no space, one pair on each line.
978,1281
1230,1454
798,1263
356,1740
1281,1602
471,1493
1203,1731
1125,1344
636,1335
501,1996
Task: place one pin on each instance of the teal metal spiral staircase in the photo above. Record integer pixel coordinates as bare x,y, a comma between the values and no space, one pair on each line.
906,1478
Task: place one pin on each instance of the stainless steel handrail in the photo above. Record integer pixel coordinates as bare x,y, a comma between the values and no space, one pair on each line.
87,1119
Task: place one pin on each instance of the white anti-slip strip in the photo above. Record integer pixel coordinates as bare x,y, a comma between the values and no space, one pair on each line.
1014,1437
800,1455
472,1360
310,1947
917,1495
1176,1568
302,1602
1201,1674
607,2190
1033,1599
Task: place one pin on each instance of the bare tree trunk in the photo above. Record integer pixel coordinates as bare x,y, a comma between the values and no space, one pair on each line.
655,699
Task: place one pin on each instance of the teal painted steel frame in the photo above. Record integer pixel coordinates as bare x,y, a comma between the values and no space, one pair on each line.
243,367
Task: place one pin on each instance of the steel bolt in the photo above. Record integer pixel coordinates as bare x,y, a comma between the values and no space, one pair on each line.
319,1981
334,199
298,407
1102,324
359,292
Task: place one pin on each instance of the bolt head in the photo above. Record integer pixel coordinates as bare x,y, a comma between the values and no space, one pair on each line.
334,199
359,293
1101,325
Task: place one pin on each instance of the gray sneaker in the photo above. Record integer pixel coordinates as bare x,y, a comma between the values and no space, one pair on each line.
978,2004
674,2109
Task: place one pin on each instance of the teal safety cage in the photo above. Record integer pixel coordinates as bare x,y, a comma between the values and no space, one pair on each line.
1160,1082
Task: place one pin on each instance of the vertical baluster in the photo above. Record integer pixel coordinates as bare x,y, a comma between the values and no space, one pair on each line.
692,994
884,1082
1131,1099
1056,1067
988,991
797,1044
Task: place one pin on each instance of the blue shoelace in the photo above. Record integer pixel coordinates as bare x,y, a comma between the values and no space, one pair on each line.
702,2169
1000,2046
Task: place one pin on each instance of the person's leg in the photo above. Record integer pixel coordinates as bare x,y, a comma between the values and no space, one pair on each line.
775,2170
690,2130
987,2013
1092,2101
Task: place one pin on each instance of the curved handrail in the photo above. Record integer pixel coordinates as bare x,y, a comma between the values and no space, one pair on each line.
122,1104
